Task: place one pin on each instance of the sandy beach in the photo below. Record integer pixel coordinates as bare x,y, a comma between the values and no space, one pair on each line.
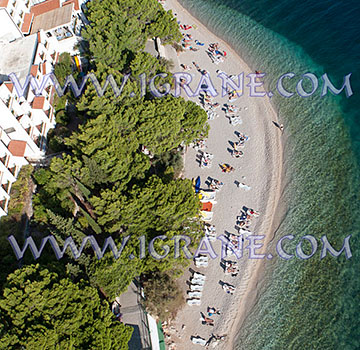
259,168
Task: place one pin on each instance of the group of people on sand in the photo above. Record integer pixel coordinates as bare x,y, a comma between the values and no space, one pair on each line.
231,268
245,217
228,288
216,185
206,160
208,321
236,153
211,311
214,339
226,168
187,41
216,55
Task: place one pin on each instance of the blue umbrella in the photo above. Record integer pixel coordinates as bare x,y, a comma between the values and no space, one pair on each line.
197,184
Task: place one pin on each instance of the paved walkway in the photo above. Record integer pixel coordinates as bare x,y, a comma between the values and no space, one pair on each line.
134,316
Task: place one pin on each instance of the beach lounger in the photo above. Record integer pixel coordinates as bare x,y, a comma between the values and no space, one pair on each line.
202,258
198,340
210,230
201,263
199,275
210,195
206,206
235,120
211,115
195,294
244,231
196,287
211,236
198,281
245,187
199,278
193,301
207,200
206,215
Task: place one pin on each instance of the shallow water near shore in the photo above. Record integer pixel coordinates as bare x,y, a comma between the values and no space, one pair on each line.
305,303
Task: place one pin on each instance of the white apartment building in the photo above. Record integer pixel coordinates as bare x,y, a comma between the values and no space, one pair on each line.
62,23
16,9
32,35
8,29
24,121
61,20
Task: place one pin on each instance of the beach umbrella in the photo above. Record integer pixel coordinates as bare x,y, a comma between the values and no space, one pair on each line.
197,184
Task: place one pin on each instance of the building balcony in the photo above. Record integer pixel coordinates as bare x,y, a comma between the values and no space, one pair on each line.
38,141
13,170
6,187
8,102
3,206
3,159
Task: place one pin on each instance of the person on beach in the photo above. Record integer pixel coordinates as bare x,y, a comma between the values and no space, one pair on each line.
280,126
226,168
213,311
219,337
237,154
228,288
196,66
206,320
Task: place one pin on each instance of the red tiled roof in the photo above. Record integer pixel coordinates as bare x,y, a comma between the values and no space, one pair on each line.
43,69
10,86
38,102
4,3
75,2
44,7
17,148
34,70
25,28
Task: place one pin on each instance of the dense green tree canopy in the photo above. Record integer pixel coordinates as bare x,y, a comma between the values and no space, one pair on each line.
118,29
103,184
155,206
39,310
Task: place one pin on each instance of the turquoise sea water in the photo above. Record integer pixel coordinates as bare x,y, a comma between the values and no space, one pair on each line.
312,304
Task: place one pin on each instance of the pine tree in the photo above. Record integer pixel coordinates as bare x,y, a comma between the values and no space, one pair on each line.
41,310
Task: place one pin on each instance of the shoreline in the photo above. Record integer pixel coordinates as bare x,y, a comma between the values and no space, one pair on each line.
265,164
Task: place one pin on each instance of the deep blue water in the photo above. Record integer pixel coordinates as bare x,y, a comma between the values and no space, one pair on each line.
312,304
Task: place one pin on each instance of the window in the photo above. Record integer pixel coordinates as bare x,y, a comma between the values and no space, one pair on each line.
9,130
